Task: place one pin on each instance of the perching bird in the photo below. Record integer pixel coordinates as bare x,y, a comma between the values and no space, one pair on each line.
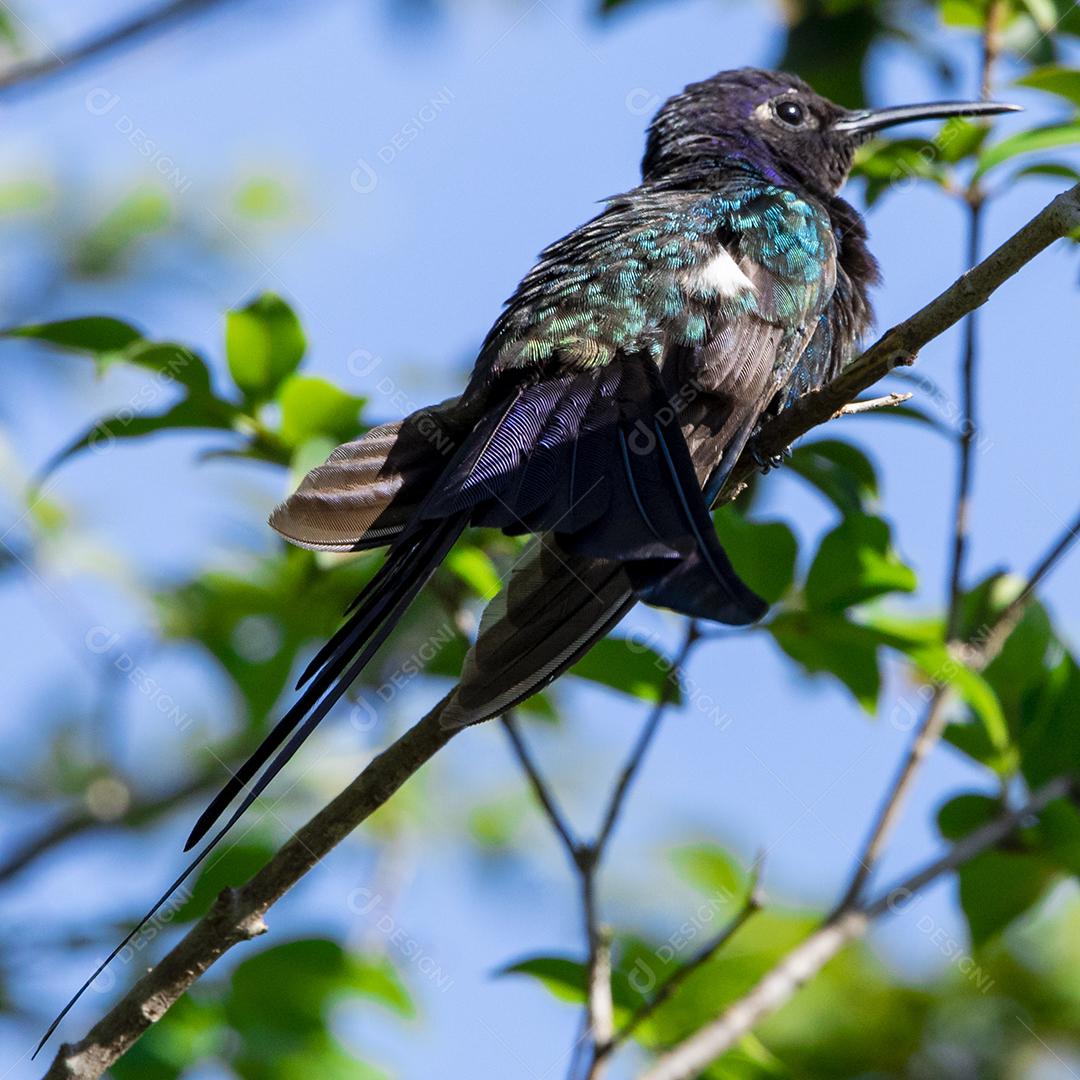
608,404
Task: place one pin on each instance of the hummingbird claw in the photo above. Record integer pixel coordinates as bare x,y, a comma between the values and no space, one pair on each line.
774,461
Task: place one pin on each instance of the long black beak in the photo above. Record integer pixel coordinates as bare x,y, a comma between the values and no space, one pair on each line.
866,120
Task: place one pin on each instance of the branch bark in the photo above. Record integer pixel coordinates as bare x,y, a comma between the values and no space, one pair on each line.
900,345
238,914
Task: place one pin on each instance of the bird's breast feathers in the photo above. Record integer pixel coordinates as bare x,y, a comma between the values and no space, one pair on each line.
662,267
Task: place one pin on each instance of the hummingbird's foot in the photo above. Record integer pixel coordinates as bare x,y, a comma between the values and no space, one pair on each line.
767,464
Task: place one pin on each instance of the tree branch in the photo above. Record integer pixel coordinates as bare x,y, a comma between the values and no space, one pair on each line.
540,789
900,345
776,988
597,1040
238,914
754,902
644,741
870,404
849,919
33,72
82,821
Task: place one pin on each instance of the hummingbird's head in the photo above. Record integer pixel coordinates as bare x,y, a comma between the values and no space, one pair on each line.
777,123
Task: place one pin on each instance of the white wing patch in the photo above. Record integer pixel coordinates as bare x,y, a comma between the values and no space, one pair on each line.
720,276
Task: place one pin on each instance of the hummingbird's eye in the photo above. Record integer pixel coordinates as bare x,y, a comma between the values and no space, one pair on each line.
791,112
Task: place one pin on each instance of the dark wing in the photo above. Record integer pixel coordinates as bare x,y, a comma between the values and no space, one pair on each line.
559,600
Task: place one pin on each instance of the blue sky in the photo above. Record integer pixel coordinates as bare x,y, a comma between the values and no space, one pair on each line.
430,161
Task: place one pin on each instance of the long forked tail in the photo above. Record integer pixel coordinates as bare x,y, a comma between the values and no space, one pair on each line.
374,614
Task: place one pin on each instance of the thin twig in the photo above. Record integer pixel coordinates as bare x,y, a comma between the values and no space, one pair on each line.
1014,610
926,737
935,718
599,1006
988,642
753,903
864,405
586,857
33,73
775,989
641,746
967,436
539,786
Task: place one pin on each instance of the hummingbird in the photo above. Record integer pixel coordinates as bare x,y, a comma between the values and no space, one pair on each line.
607,406
609,402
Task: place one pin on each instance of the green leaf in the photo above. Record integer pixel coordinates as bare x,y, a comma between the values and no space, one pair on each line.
828,43
565,979
965,14
262,198
1027,142
103,248
855,563
190,413
23,196
998,887
1052,79
562,977
1058,833
959,139
93,334
280,604
1051,169
828,642
630,667
176,362
111,342
885,164
475,567
285,993
983,603
762,552
190,1032
984,703
494,824
237,863
963,814
710,869
1049,724
941,666
8,34
1043,14
971,738
839,470
313,406
264,343
1022,666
